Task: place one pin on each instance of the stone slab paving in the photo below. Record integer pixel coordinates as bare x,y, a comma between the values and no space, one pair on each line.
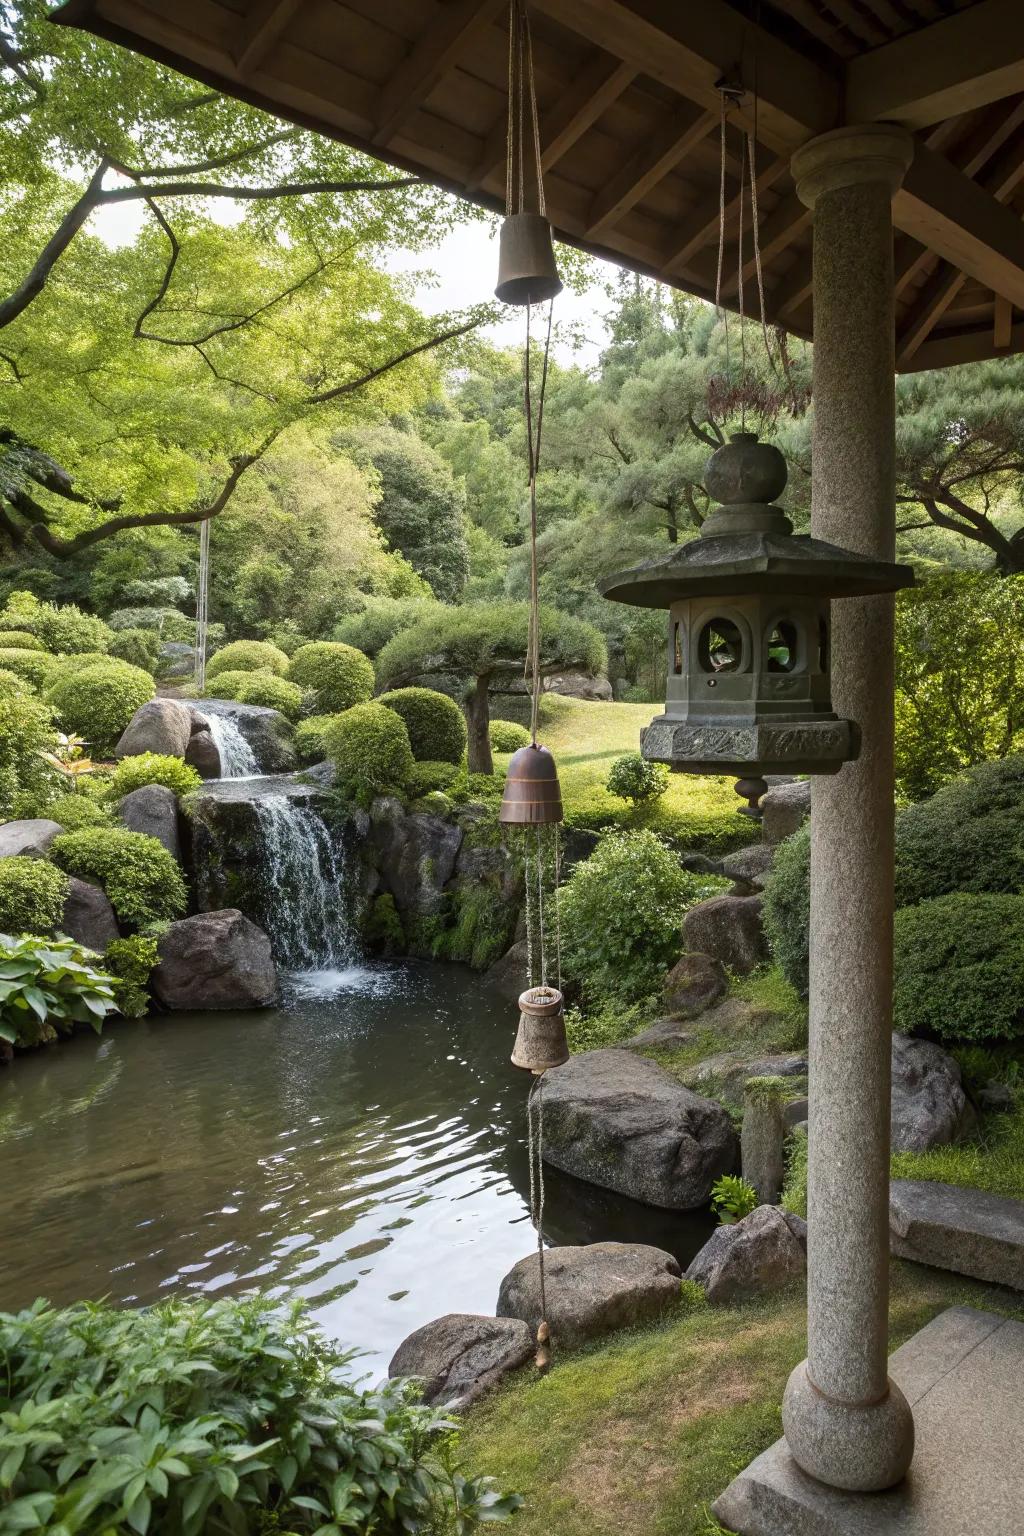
962,1376
965,1230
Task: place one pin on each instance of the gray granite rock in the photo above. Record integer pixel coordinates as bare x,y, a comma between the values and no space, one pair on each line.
749,867
784,809
729,929
929,1105
176,659
730,1071
203,754
968,1231
459,1357
161,725
509,973
88,917
574,684
266,730
592,1289
694,983
215,960
153,809
620,1121
763,1252
28,839
417,857
663,1032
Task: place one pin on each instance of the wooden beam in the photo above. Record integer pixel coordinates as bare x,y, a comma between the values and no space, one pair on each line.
440,48
702,226
963,223
690,47
793,292
1002,323
973,346
260,30
958,64
656,157
782,226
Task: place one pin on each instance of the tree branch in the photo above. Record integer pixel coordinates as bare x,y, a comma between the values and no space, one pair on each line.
53,250
217,189
394,362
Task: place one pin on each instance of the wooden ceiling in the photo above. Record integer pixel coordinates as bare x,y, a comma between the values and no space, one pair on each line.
629,109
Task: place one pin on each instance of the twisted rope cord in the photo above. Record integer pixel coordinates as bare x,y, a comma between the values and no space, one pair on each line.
535,1140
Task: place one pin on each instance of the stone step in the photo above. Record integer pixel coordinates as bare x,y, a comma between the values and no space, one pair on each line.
968,1231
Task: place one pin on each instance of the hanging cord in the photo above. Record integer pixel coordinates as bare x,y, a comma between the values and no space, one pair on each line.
533,441
535,1147
739,290
531,922
558,912
540,908
523,118
723,314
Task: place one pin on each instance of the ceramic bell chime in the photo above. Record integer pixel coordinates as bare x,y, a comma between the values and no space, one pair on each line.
749,635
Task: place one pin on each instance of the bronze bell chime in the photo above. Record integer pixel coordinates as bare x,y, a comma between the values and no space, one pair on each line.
532,797
540,1039
527,273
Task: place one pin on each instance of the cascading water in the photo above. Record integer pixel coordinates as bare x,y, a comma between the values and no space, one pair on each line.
304,888
237,759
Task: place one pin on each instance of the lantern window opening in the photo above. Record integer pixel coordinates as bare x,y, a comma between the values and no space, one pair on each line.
722,647
677,648
784,651
824,645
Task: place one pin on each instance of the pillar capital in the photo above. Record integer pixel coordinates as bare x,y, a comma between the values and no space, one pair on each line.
847,157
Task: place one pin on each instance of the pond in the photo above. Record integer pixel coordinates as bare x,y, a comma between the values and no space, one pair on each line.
362,1146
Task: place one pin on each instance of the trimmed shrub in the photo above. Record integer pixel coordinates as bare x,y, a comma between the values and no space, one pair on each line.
338,675
130,962
271,691
70,666
140,877
76,811
26,731
248,656
32,893
49,986
20,640
632,778
32,666
309,738
427,777
786,910
152,768
621,914
960,967
369,746
507,736
140,647
226,684
98,702
967,837
380,620
61,627
437,730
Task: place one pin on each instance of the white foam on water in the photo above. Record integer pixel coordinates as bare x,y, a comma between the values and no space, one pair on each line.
348,980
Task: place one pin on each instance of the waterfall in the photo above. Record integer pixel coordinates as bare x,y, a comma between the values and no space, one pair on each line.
237,759
306,907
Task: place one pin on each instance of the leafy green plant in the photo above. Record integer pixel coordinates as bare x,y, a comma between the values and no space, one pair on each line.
786,909
140,647
99,701
20,640
225,685
632,778
338,675
794,1189
960,967
32,893
369,745
309,738
427,777
199,1416
32,666
766,1090
74,811
152,768
47,986
967,837
26,732
507,736
248,656
732,1198
140,877
130,962
379,621
272,692
61,627
437,730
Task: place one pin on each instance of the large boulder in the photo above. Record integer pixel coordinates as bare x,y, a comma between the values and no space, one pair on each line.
579,685
267,731
417,856
729,1072
153,809
968,1231
215,960
508,975
161,725
929,1105
784,809
748,868
88,917
695,983
764,1251
459,1357
619,1120
28,839
729,929
176,659
591,1290
203,753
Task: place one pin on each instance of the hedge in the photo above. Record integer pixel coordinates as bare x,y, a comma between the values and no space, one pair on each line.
248,656
960,967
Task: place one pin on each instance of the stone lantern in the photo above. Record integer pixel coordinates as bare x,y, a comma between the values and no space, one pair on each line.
749,686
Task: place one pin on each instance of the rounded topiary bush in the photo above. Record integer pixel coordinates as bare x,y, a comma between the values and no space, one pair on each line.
786,910
151,768
338,675
60,626
272,692
309,738
98,702
32,893
968,837
32,666
437,730
226,684
425,778
248,656
70,666
73,812
20,640
960,967
369,746
507,736
631,777
140,877
140,647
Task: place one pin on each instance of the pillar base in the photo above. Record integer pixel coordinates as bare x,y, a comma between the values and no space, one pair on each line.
859,1447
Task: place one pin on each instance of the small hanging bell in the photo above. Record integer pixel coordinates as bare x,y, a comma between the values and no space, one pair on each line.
527,273
532,795
540,1040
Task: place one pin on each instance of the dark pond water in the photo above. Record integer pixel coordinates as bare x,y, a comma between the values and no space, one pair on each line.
363,1146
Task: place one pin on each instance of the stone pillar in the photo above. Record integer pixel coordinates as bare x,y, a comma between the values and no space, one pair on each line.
845,1422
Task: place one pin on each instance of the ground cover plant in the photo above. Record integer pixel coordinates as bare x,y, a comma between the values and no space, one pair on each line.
47,986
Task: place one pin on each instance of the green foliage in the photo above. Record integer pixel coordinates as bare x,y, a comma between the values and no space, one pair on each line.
32,666
140,647
63,667
26,730
437,730
606,1025
428,777
732,1198
130,962
272,692
152,768
196,1415
621,913
766,1090
47,986
787,908
338,675
226,684
379,620
140,877
99,701
248,656
369,746
794,1190
32,893
309,738
633,778
994,1160
74,811
960,967
488,640
508,736
61,627
967,837
483,929
20,640
383,933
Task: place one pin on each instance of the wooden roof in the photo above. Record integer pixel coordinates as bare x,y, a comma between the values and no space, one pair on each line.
629,110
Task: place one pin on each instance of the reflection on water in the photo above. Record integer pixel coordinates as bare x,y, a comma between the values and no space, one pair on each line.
364,1146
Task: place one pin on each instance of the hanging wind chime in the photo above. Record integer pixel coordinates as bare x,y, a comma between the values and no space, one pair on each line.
532,800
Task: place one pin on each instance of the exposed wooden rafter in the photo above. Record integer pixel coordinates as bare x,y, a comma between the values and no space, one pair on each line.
648,165
261,30
702,227
452,34
1002,323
